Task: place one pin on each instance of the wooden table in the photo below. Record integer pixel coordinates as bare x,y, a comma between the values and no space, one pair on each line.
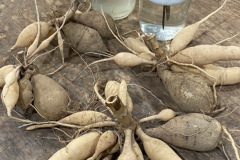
18,144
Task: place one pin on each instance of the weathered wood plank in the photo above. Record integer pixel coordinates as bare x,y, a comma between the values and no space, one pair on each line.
41,144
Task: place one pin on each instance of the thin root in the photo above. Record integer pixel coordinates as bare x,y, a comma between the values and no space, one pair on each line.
148,92
59,68
119,40
60,43
21,120
94,79
232,142
225,152
34,45
47,52
101,54
228,113
98,95
63,132
94,125
46,42
227,39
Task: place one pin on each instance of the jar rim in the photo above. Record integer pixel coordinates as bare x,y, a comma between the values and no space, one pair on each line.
167,2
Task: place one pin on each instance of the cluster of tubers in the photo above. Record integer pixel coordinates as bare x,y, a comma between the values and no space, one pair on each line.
187,77
48,97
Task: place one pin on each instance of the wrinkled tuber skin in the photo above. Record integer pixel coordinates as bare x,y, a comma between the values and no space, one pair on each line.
25,92
190,92
192,131
95,20
83,38
25,88
50,98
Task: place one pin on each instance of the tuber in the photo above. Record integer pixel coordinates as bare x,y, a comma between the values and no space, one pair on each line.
127,152
137,45
106,140
155,148
25,93
29,33
207,54
184,37
222,75
193,131
12,76
113,88
164,115
83,38
137,149
50,98
95,20
10,96
126,59
80,148
4,72
190,92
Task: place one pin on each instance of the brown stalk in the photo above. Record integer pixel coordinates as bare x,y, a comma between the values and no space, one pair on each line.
120,111
71,11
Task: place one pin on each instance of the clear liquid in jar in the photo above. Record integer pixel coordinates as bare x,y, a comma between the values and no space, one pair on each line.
153,20
118,9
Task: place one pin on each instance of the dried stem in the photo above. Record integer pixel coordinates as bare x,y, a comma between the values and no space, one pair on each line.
60,43
45,53
46,42
98,95
119,40
152,43
71,11
51,124
34,45
101,98
120,111
215,95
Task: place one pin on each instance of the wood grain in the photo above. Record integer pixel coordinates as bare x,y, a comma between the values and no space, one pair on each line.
19,144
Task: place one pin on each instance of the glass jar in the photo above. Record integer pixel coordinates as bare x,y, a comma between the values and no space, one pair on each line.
118,9
165,18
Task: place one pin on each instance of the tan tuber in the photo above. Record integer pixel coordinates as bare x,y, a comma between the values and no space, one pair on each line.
164,115
127,152
155,148
80,148
10,96
4,72
106,140
29,33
